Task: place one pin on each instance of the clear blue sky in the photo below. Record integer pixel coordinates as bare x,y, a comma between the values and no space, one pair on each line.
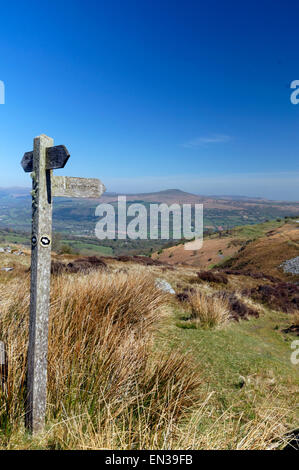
155,94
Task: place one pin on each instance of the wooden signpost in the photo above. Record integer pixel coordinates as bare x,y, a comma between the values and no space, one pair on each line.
3,367
41,163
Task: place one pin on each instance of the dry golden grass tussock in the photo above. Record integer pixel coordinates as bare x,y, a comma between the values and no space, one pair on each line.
104,382
107,386
208,311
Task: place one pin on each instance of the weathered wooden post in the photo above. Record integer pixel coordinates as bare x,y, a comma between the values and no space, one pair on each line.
3,367
41,162
40,285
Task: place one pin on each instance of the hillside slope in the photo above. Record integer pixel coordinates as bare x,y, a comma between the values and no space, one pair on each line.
268,253
261,247
114,334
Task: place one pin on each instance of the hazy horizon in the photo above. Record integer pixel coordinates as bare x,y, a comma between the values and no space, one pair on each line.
196,193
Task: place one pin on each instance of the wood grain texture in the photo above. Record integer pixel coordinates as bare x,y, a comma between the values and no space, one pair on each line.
2,353
40,288
41,163
3,368
65,186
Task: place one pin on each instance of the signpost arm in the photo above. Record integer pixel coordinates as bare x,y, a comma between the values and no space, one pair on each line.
40,286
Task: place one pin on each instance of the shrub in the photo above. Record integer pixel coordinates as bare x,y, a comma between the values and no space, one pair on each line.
209,276
208,311
239,310
66,249
283,296
294,328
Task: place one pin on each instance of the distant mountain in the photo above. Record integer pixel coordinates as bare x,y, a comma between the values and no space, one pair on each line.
170,196
166,196
238,197
14,192
77,216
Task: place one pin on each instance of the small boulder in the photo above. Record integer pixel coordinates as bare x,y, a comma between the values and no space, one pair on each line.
164,286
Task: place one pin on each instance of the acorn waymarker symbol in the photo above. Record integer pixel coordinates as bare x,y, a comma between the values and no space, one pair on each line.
45,241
